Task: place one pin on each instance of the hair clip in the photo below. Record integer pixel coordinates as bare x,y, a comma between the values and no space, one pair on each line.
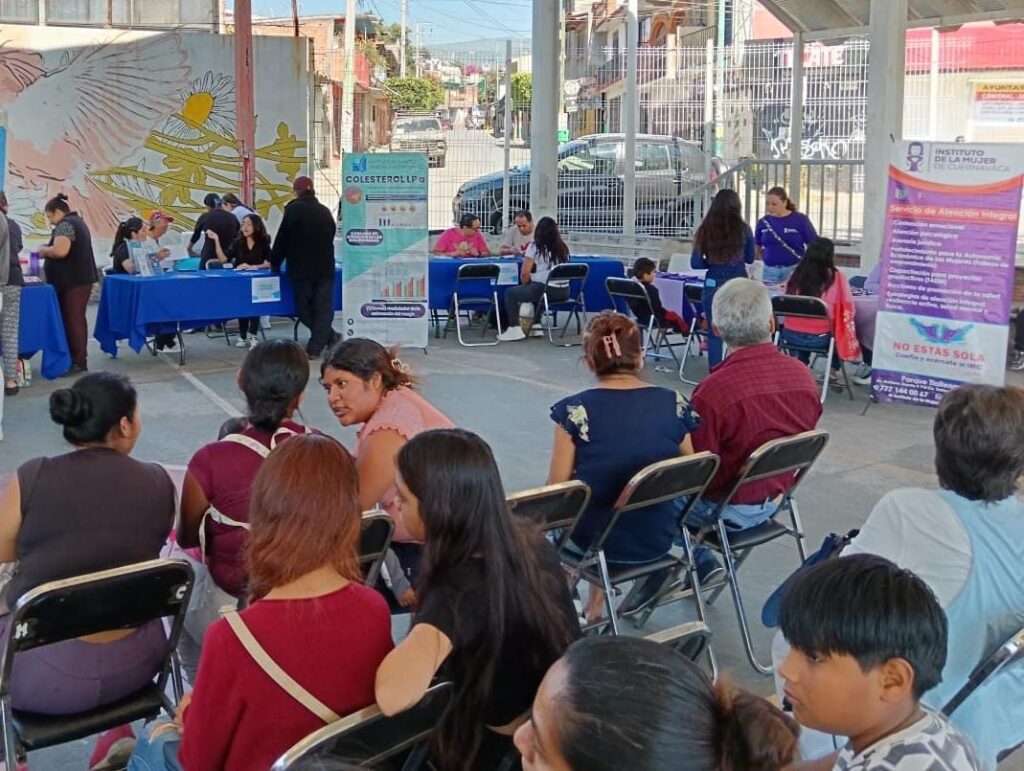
400,366
611,346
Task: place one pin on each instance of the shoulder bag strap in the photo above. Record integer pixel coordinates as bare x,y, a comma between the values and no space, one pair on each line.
275,673
778,238
247,441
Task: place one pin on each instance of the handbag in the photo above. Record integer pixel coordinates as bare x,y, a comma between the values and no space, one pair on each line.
832,546
275,673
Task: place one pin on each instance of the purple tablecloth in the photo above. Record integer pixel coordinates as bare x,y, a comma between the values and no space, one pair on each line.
670,287
866,309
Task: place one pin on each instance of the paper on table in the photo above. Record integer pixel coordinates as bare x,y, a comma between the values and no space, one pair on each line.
509,273
266,289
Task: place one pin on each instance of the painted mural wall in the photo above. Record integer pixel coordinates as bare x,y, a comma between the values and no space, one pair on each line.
130,122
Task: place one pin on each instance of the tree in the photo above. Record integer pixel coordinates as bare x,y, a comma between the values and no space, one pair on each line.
414,93
522,90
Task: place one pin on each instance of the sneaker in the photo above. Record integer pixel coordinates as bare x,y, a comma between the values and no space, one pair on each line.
253,342
1017,361
113,748
709,569
537,332
646,592
512,334
863,375
242,343
170,347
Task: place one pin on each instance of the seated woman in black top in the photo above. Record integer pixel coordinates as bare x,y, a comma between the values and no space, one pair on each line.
132,229
249,251
494,606
91,509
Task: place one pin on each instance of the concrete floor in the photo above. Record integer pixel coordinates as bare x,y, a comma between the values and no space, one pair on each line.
503,393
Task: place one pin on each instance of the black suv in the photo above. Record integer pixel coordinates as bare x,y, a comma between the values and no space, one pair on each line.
590,185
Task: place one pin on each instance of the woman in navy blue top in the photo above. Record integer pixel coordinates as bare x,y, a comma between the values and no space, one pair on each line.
782,236
605,435
723,244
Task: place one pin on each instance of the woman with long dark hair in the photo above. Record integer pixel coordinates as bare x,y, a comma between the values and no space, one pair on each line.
723,245
249,251
132,229
817,276
613,703
547,250
494,605
71,270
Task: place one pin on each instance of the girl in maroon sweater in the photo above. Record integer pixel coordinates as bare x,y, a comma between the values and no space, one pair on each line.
311,616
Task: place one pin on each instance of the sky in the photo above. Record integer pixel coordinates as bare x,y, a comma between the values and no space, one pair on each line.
444,21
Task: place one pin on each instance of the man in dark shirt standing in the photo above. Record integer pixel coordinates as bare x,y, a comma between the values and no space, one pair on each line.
305,239
756,394
221,222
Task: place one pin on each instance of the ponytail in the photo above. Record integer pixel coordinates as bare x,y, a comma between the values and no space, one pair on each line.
125,230
753,734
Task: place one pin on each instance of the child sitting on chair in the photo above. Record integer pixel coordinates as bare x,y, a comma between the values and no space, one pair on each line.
643,271
867,640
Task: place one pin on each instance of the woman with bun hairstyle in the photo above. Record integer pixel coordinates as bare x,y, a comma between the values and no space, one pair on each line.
613,703
217,491
606,434
368,386
132,229
781,236
94,508
71,269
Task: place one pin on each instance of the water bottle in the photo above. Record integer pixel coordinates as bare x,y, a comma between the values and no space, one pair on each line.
33,264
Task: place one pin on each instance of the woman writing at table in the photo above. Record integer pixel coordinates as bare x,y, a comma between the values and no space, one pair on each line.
71,270
249,251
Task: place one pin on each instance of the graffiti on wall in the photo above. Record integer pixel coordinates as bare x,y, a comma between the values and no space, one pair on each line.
130,126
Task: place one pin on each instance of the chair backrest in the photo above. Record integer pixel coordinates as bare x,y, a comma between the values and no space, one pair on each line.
368,738
474,271
552,506
629,290
858,282
120,598
798,306
666,480
690,639
569,271
374,542
1009,652
789,454
693,292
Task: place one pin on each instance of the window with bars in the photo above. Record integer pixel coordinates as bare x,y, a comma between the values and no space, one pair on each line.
19,11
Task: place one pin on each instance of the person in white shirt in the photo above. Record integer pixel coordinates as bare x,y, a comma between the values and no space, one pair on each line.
518,237
232,203
547,250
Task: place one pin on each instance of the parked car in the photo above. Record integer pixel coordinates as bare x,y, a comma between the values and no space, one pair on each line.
420,134
446,121
590,185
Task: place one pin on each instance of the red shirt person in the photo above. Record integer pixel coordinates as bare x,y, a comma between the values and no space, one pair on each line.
755,395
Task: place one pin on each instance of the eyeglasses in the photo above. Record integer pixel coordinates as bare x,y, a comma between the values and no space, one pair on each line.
475,227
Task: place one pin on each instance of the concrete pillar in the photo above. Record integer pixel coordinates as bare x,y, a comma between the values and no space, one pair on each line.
796,117
245,110
544,110
630,119
886,72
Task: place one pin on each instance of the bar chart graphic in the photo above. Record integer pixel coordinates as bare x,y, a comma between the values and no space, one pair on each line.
397,282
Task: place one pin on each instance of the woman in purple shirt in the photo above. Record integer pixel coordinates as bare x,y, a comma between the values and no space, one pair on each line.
781,236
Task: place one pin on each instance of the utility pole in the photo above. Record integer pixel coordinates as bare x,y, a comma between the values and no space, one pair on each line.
417,34
401,50
245,118
349,83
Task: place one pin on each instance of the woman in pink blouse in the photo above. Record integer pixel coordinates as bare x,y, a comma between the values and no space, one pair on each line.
368,386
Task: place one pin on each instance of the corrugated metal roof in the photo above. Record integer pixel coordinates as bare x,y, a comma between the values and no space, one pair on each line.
822,15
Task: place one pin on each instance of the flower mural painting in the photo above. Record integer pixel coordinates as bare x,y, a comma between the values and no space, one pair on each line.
127,126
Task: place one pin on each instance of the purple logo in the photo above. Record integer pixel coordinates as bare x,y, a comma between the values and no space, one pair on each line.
915,156
940,334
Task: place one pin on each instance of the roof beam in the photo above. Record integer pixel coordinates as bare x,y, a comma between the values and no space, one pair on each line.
791,23
831,34
966,18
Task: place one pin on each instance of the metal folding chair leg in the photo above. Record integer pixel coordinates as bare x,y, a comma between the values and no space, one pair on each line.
732,576
691,338
606,584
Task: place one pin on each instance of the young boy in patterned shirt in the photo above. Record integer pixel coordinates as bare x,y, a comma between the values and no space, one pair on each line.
868,639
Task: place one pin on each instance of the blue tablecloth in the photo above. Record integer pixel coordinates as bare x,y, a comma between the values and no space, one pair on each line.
136,307
41,328
444,269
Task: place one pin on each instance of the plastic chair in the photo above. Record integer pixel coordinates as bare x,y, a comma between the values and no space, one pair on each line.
121,598
368,738
655,335
667,480
797,306
788,455
374,542
554,508
575,305
471,279
693,295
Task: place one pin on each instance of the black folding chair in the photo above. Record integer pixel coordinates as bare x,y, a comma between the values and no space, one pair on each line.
667,480
624,292
692,639
368,739
799,307
693,295
1007,654
374,542
109,600
554,508
789,455
476,290
575,273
